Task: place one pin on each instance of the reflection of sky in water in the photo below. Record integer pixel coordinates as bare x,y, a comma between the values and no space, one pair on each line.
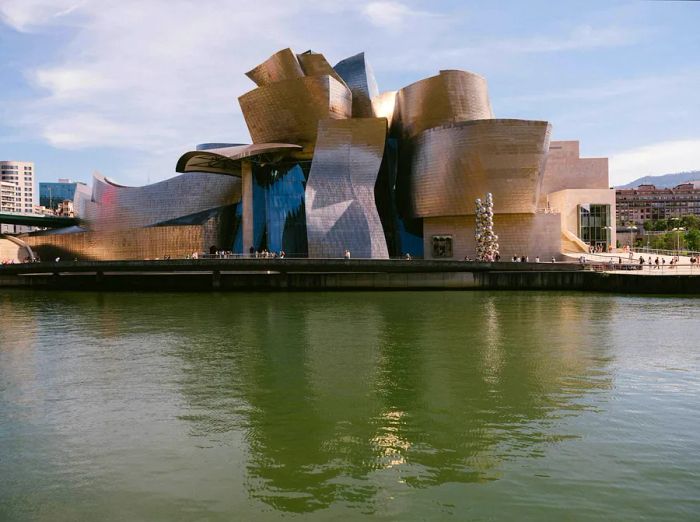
408,405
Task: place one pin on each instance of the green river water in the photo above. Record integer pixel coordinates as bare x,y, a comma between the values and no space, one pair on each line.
347,406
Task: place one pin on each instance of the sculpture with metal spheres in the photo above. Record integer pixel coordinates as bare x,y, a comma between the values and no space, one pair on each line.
486,240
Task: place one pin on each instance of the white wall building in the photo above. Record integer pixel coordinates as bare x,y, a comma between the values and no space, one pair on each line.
21,175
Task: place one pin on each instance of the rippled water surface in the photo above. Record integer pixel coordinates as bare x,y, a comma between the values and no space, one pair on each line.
343,406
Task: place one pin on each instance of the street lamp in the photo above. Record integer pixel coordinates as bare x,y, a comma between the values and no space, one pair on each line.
678,238
608,236
633,231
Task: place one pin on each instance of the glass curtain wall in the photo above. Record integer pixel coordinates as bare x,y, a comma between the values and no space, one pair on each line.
279,215
594,224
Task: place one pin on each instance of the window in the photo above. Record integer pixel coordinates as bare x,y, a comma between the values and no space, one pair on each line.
594,223
442,246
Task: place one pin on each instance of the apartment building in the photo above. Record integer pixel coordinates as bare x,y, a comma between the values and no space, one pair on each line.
21,175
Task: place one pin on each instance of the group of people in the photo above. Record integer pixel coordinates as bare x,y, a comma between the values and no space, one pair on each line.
526,259
266,254
12,261
661,262
597,249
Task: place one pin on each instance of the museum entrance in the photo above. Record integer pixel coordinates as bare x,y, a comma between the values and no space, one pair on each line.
594,225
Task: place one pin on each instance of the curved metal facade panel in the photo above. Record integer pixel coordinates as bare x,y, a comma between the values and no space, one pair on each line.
449,97
282,65
340,207
289,111
315,64
225,160
384,105
453,165
359,77
114,207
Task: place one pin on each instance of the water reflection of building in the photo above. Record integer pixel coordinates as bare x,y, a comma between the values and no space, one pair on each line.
332,399
440,393
336,164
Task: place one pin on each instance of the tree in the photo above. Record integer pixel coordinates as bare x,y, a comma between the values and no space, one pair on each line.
690,222
692,239
658,225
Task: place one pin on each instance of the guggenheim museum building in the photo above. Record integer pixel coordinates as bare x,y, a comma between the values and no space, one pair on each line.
337,165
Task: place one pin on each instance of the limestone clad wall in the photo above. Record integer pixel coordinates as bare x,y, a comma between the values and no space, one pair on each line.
567,202
519,234
566,170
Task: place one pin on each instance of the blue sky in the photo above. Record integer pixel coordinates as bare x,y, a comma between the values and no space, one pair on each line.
125,86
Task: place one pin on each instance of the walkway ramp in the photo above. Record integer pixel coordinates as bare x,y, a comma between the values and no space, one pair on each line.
572,243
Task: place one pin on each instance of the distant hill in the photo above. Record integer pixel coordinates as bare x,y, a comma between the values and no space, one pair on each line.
664,181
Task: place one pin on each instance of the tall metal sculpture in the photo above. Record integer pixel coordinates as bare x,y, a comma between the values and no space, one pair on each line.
486,240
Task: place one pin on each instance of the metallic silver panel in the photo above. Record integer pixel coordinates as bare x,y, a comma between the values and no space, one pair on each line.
289,111
449,97
454,164
358,75
114,207
340,207
282,65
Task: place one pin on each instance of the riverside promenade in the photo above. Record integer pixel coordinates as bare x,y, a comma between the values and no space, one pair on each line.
603,261
232,274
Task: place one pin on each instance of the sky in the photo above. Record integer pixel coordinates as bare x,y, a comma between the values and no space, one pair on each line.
125,87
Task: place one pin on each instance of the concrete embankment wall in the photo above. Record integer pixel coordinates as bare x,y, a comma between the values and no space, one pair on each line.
397,278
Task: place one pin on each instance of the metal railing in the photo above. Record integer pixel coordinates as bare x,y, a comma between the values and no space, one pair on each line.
662,252
602,262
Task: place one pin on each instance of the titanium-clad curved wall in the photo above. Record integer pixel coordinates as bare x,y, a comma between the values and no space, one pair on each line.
383,105
114,207
359,77
282,65
289,111
451,96
315,64
341,212
454,164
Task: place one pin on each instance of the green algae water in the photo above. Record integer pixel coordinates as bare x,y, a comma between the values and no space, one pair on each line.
348,406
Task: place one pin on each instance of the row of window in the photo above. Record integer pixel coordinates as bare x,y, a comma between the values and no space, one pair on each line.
692,196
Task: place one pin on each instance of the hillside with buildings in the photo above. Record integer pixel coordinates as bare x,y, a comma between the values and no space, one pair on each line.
663,181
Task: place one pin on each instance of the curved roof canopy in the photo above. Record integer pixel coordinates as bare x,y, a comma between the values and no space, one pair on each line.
227,160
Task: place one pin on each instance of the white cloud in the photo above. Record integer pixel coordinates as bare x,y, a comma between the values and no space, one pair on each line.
655,159
65,83
148,76
24,15
154,78
93,130
389,14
